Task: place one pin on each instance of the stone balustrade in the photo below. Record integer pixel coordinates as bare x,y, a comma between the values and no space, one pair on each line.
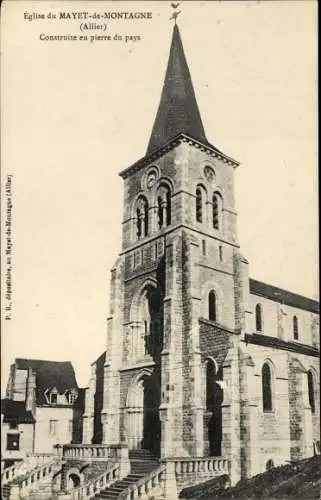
151,485
10,473
31,461
199,465
21,484
89,490
93,451
190,470
41,473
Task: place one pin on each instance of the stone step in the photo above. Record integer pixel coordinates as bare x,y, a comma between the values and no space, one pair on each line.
144,468
107,494
141,454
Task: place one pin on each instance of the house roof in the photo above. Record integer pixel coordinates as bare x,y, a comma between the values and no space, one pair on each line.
178,110
15,411
283,296
49,374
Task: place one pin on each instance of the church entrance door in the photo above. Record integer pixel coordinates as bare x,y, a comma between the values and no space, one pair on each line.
143,422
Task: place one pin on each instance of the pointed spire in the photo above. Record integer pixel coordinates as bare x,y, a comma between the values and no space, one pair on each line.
178,110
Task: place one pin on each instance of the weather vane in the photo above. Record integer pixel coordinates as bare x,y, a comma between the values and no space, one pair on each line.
176,13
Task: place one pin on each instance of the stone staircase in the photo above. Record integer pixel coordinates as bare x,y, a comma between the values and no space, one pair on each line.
32,483
142,464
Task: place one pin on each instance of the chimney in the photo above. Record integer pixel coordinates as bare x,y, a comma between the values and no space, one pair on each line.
31,391
11,382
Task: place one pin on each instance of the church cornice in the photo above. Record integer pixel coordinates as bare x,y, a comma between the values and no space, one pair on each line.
170,145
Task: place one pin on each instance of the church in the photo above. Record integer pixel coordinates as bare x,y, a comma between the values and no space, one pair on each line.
201,360
207,373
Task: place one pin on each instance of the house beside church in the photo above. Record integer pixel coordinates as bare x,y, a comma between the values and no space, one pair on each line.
42,408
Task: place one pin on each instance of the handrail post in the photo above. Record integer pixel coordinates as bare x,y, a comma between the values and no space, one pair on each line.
124,462
170,485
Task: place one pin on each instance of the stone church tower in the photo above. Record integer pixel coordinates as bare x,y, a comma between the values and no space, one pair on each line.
176,268
190,369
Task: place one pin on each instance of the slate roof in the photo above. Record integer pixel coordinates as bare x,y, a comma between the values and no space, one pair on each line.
276,343
49,374
178,110
283,296
15,411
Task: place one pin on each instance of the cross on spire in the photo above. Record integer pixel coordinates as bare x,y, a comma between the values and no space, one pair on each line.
175,13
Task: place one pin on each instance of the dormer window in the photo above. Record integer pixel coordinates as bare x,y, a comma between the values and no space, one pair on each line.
52,396
71,396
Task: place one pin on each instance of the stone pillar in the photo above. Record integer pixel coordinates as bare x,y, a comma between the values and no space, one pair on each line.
243,316
88,416
111,399
170,485
197,408
124,461
111,411
250,399
171,356
231,445
15,493
307,429
300,412
153,220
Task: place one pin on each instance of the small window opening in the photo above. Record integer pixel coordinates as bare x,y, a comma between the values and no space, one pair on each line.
216,211
311,391
212,306
267,388
199,212
295,328
258,317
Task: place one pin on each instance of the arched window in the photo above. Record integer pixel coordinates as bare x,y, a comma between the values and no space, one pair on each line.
258,318
145,331
269,464
164,206
142,218
267,387
199,204
295,328
145,319
311,391
217,210
212,306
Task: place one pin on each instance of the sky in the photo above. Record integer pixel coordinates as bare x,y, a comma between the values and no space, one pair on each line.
76,113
